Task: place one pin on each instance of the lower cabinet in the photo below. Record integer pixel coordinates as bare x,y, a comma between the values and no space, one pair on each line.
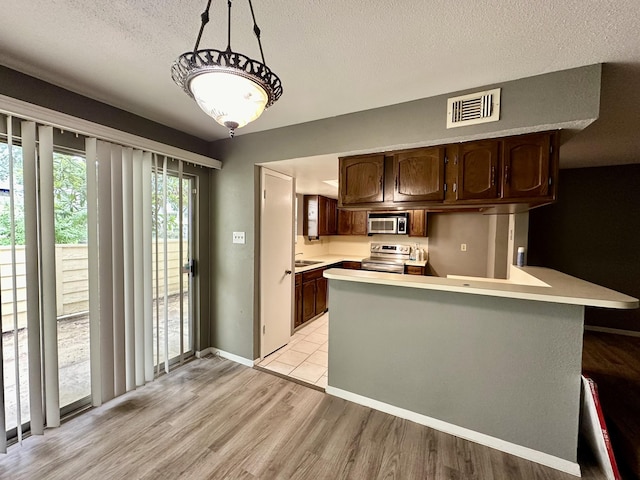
297,319
350,265
311,295
414,270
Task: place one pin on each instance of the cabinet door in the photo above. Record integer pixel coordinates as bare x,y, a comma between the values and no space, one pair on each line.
321,295
526,166
297,321
477,170
352,265
344,222
308,300
419,175
413,270
327,216
417,223
332,216
359,223
361,180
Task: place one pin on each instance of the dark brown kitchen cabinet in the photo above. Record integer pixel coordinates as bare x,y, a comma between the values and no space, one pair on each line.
350,265
297,319
320,216
313,294
308,300
419,175
352,222
526,166
361,180
414,270
417,223
478,172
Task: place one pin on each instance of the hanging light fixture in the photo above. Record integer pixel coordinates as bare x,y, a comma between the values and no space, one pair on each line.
229,86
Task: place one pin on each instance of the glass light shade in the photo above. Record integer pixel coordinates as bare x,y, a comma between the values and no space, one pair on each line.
232,100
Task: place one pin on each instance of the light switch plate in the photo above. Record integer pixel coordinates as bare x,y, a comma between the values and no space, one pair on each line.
238,237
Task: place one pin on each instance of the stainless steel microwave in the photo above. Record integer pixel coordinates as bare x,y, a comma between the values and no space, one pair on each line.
390,223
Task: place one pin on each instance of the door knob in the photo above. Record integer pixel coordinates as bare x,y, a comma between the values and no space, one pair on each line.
287,272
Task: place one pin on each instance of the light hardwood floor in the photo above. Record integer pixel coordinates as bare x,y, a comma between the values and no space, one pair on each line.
215,419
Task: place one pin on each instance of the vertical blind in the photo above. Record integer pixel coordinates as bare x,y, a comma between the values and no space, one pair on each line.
122,294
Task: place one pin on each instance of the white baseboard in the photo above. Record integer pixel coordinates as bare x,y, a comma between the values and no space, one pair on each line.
229,356
204,353
477,437
616,331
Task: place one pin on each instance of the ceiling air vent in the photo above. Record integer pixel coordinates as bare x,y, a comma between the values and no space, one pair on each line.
479,107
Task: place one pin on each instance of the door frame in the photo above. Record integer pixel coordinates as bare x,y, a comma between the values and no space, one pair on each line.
263,229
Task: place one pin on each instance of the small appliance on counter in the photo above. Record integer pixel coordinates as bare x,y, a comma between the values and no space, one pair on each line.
390,223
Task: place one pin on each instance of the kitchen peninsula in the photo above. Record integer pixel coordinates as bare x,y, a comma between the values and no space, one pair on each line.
493,361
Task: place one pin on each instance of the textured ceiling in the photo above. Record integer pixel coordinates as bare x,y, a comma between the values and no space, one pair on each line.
336,57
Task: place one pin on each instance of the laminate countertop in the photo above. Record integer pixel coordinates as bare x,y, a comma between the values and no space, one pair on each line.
526,283
326,260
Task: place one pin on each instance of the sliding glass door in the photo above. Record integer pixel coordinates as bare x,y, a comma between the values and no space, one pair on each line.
173,264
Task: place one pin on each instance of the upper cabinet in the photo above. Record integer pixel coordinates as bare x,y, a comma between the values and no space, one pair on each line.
320,216
501,175
477,170
419,175
361,180
526,166
352,222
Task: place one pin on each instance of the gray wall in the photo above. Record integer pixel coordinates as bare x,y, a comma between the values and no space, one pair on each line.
446,232
593,232
29,89
567,98
503,367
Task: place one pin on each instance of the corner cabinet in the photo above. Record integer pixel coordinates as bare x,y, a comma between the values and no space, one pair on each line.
361,180
419,175
526,166
320,216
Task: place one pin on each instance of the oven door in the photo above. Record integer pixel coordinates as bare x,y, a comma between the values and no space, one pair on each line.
388,267
383,225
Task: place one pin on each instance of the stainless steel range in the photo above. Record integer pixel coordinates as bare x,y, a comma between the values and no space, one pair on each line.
387,257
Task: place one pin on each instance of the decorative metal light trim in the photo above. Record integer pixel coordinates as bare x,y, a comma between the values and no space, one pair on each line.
197,62
192,64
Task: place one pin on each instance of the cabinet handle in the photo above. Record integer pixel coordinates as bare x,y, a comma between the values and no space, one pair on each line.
506,174
493,176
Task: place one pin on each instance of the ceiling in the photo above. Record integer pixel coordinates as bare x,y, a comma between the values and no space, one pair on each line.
336,57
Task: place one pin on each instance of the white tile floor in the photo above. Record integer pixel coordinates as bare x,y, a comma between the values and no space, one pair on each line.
305,357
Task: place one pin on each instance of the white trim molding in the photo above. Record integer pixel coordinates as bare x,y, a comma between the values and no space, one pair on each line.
614,331
29,111
471,435
229,356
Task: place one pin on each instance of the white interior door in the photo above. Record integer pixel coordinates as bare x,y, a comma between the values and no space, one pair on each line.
276,254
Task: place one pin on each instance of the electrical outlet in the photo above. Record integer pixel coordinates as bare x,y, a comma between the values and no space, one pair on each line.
463,247
238,237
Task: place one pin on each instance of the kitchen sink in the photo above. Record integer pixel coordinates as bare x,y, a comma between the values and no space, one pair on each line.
305,263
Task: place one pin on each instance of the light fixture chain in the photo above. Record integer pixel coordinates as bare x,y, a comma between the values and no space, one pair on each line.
204,20
256,30
229,26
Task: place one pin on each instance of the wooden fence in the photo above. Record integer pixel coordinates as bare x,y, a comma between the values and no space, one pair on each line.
72,279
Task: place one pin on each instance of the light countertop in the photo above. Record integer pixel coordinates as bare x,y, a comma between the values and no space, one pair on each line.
526,283
326,260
